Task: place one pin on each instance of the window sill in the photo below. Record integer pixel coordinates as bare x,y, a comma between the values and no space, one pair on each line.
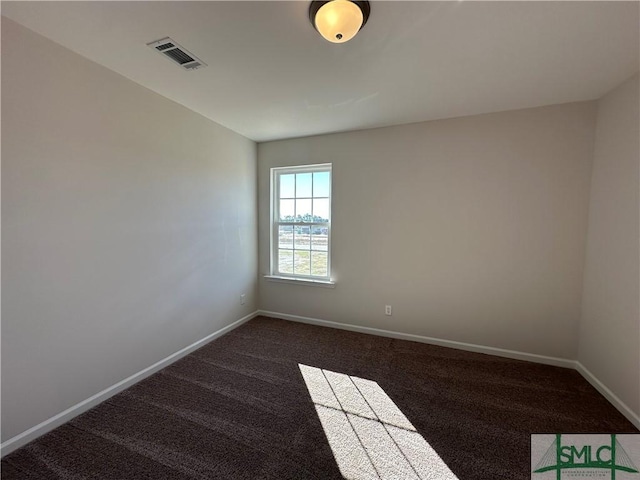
301,281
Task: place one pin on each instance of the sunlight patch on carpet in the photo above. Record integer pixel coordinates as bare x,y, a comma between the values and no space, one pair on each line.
368,434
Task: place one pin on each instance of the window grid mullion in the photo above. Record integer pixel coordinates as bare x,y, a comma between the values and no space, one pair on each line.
275,255
313,213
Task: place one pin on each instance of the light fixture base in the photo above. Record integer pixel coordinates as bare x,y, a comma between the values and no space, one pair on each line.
332,33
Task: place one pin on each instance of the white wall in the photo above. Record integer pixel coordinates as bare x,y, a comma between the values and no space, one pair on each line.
473,229
128,228
610,328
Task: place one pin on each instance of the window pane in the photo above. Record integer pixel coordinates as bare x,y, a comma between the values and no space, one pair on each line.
320,239
321,184
319,263
285,261
286,210
301,198
285,236
302,237
320,209
287,184
302,265
303,210
303,185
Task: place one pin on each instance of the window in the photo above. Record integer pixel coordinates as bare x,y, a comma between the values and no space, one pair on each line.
301,222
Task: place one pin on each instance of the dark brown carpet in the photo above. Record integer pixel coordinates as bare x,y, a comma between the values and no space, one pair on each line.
238,408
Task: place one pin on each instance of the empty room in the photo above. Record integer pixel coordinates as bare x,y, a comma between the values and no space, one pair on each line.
320,240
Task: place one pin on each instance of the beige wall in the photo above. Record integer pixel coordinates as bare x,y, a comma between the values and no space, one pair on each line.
610,328
473,229
128,228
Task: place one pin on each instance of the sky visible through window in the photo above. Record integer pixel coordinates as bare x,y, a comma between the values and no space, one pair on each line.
304,194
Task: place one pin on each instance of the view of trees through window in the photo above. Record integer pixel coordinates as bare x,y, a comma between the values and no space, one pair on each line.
303,223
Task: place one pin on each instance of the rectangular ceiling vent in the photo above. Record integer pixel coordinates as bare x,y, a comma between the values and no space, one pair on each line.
177,54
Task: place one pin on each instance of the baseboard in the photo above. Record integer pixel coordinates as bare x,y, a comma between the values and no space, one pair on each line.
531,357
499,352
63,417
71,412
622,407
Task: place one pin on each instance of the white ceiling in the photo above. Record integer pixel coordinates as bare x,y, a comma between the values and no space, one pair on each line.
271,76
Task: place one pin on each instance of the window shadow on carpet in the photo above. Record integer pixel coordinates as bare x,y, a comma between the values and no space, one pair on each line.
368,434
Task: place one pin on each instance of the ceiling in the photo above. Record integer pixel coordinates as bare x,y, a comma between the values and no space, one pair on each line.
271,76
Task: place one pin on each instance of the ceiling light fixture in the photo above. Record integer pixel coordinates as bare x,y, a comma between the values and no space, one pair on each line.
338,21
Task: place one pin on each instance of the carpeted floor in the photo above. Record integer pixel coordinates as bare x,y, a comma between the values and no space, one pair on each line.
239,408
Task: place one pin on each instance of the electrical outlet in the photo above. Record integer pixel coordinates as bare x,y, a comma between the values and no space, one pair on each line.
242,299
387,310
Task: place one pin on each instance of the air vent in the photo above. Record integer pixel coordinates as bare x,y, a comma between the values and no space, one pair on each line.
174,52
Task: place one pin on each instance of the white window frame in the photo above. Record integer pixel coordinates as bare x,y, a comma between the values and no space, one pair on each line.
275,223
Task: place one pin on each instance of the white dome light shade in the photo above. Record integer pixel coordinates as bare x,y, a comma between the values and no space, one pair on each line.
338,21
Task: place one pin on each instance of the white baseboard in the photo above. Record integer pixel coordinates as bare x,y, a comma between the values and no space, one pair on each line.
71,412
622,407
499,352
531,357
63,417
